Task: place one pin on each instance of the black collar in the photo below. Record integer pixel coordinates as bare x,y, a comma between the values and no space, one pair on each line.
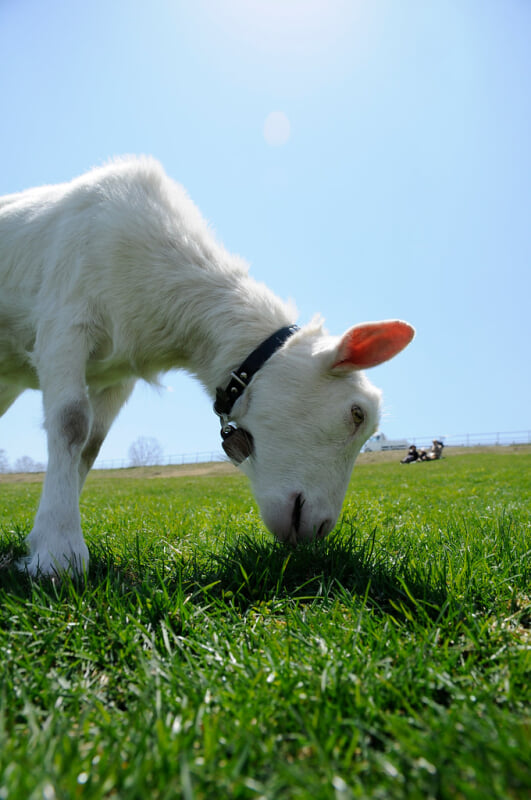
241,377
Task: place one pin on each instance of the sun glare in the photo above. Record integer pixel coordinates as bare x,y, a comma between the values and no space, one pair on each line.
298,28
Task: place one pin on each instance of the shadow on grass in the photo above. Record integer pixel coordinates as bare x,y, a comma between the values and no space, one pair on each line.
253,571
248,572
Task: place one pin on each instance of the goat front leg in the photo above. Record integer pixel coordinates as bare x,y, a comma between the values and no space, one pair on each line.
56,543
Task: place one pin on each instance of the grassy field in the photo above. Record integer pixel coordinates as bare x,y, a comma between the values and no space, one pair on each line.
202,660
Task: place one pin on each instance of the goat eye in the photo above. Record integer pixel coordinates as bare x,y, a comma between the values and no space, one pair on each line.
357,415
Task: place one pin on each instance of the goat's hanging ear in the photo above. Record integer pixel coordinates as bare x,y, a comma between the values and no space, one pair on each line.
370,344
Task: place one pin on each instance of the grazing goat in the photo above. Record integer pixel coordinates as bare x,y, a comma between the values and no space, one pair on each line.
114,277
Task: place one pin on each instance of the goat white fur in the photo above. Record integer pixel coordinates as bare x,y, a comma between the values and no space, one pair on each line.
114,277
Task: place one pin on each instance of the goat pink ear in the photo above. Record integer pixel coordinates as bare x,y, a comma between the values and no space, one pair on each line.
372,343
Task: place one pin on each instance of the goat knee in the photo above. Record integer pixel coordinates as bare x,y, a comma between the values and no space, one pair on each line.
74,423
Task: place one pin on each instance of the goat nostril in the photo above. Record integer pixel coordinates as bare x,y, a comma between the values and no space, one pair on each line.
297,511
324,527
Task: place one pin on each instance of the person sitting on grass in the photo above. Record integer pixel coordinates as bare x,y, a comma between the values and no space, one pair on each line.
412,455
435,452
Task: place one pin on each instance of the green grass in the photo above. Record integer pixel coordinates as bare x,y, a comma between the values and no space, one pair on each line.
202,660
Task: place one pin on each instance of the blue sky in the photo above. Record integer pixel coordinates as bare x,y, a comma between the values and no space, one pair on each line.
402,190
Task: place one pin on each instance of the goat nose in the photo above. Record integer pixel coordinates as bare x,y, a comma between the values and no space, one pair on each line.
297,512
307,529
324,529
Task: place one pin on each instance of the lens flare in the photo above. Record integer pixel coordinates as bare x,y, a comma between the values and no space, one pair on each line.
277,129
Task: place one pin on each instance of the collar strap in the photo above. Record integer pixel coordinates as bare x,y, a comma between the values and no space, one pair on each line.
241,377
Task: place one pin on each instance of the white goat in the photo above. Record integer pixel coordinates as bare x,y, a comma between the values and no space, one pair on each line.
115,276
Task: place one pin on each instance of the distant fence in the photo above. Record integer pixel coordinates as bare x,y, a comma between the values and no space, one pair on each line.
206,456
474,439
453,440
